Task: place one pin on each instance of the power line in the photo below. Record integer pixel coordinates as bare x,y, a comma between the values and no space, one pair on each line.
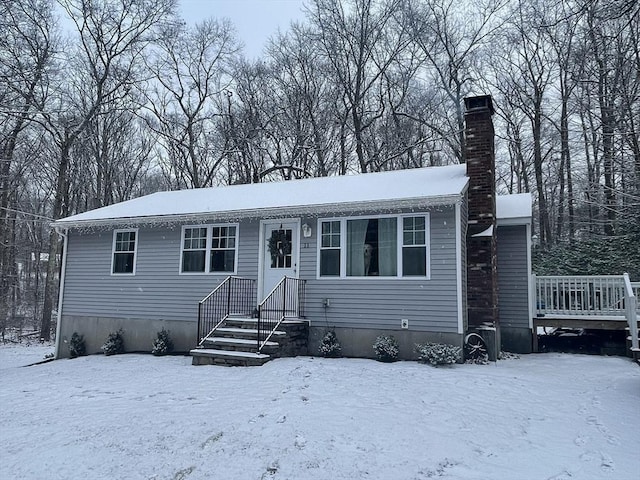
27,214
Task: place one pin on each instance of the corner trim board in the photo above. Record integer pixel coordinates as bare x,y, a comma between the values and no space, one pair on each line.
63,273
459,267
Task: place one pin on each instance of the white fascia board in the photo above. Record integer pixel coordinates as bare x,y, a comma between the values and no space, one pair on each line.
500,222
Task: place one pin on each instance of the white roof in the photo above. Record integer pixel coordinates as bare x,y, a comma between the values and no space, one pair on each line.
513,209
396,189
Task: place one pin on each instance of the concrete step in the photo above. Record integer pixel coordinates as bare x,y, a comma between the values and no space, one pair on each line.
246,322
238,344
247,333
210,356
242,322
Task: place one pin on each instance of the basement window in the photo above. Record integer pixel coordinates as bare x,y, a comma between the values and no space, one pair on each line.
123,258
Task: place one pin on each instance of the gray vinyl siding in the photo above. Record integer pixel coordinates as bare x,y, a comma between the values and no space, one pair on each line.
429,305
157,290
513,282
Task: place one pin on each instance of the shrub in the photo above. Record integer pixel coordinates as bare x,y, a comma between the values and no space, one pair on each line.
386,348
77,347
438,353
330,346
114,344
163,344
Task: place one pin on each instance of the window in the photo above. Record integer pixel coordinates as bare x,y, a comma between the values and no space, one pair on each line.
414,247
374,247
123,260
194,249
223,249
209,249
280,243
330,249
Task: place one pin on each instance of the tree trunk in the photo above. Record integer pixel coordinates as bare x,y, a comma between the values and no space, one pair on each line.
543,212
54,245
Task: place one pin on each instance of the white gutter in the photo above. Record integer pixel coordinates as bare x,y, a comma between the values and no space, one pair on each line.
61,287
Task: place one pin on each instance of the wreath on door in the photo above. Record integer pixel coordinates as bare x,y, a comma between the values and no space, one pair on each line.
279,246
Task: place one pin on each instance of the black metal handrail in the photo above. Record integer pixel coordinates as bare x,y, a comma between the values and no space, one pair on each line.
235,295
285,300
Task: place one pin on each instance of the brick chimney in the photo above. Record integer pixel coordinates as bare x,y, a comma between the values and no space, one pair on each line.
482,278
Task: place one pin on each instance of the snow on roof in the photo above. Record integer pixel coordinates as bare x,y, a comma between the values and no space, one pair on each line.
399,189
513,209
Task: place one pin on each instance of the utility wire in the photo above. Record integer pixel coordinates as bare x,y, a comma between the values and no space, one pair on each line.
27,213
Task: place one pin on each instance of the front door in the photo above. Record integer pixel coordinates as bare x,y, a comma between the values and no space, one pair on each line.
279,253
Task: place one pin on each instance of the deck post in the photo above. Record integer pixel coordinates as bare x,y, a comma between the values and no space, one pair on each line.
631,302
533,299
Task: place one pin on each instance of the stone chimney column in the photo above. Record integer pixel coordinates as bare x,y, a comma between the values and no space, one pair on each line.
482,278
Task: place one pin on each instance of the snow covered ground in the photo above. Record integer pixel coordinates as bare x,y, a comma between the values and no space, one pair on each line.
16,355
547,416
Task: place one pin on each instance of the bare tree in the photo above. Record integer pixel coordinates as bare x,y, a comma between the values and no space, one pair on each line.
27,45
452,36
523,73
360,39
190,71
247,123
112,38
303,95
560,25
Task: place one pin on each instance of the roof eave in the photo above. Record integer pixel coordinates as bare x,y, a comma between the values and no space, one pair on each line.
390,206
500,222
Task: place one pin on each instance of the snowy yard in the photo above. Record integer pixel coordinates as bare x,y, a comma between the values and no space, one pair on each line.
547,416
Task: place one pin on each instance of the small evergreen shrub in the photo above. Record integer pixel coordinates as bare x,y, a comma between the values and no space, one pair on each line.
77,348
438,353
163,344
114,344
386,348
330,346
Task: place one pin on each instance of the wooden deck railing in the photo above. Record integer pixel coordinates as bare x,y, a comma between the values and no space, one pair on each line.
603,298
579,295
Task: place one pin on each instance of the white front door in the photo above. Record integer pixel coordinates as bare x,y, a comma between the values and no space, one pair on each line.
280,248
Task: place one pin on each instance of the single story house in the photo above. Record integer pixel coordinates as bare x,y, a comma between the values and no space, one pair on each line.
419,254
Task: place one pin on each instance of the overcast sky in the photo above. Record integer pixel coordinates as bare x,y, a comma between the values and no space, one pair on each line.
255,20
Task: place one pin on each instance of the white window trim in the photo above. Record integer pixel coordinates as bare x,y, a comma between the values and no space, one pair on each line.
340,249
113,252
208,249
399,245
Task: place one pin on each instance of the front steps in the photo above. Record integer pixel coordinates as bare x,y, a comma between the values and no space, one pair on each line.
235,343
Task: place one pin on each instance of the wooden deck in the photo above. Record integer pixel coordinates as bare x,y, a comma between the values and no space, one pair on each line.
586,302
